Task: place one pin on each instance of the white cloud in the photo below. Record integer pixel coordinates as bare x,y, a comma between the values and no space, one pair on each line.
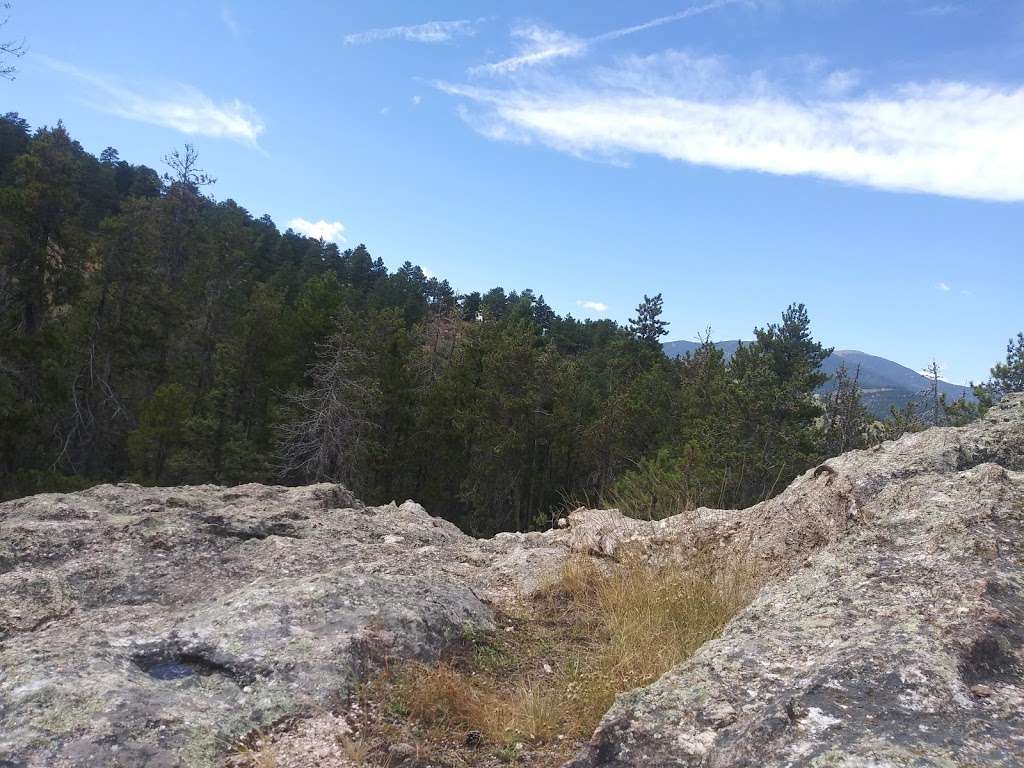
541,45
428,32
942,286
188,110
417,100
536,46
945,138
321,230
596,306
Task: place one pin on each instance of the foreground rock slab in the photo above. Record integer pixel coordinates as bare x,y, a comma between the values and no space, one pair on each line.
154,627
891,635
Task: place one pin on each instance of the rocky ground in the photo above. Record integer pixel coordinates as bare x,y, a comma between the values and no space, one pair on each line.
157,627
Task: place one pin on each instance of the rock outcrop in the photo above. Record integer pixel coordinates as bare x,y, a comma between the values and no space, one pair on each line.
153,627
891,633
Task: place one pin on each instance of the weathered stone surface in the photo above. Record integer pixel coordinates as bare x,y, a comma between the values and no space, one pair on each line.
151,627
891,633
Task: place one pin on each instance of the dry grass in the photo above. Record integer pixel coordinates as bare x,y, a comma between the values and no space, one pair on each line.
645,621
259,754
355,749
591,634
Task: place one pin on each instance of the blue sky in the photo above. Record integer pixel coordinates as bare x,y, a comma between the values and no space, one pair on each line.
865,158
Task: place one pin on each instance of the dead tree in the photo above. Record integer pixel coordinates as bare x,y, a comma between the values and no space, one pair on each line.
846,418
935,402
326,438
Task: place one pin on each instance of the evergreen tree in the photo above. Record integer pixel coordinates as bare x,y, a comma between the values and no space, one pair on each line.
1008,376
648,327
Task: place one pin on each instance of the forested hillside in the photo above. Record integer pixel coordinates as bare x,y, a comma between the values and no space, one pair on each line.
153,333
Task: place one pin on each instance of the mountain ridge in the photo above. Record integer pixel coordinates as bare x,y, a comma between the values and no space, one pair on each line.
884,382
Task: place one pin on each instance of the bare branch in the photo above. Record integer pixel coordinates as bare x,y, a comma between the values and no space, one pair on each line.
186,170
9,49
326,439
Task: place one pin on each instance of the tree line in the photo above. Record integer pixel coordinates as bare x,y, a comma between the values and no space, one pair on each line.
149,332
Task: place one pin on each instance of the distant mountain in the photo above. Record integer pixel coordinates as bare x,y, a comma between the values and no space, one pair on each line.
884,383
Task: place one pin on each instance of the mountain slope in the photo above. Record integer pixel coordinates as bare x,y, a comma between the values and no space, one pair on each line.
884,382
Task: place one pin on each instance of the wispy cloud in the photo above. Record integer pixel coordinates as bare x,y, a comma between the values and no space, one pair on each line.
596,306
840,82
539,45
416,100
945,138
536,45
187,109
942,286
428,32
686,13
941,9
322,230
227,16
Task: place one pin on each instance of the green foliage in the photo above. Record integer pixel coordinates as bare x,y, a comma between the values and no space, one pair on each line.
1009,376
648,327
654,490
157,447
900,422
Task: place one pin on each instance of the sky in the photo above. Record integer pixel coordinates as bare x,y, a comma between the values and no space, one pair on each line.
864,157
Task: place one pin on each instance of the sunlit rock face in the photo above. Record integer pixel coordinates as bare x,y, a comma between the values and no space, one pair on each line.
145,627
154,627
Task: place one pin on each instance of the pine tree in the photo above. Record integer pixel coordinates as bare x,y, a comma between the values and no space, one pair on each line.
1009,376
648,327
